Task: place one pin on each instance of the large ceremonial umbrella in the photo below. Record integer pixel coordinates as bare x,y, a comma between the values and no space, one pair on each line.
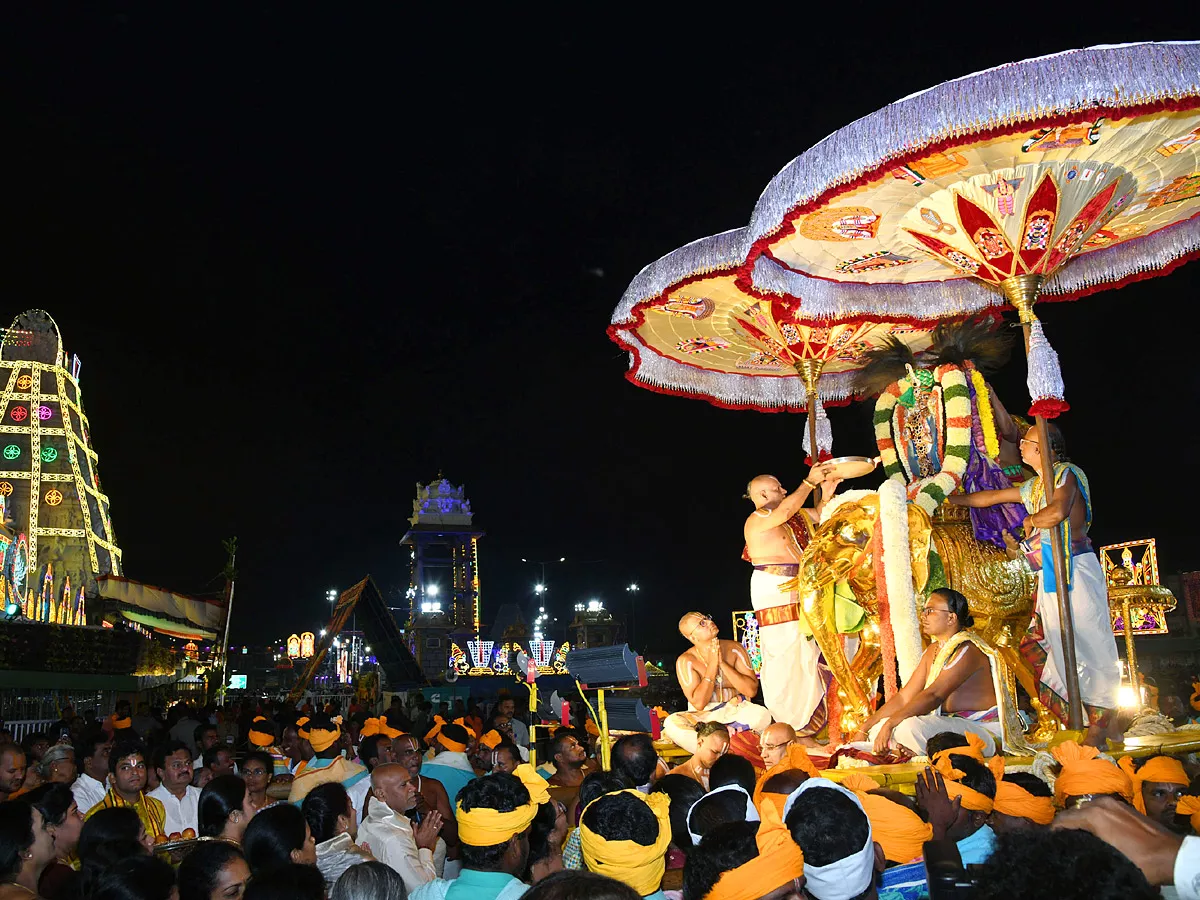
691,330
1052,178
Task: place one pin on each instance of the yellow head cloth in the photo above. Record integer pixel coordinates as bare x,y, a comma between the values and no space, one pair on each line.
379,726
896,828
1014,800
1157,768
300,729
779,861
971,798
119,724
260,737
323,738
491,739
463,722
1190,806
1083,772
974,749
639,866
433,732
481,827
1195,699
796,759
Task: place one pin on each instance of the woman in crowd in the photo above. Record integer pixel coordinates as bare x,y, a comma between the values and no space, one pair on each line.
26,848
276,837
369,881
58,765
136,878
257,770
547,833
213,871
61,814
224,809
334,824
108,837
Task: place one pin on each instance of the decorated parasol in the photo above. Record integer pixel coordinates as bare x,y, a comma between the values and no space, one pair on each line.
692,331
1046,179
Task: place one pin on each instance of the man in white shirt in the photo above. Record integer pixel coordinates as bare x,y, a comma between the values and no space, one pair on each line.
390,834
91,755
180,800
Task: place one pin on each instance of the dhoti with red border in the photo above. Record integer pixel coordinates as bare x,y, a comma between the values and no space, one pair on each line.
792,686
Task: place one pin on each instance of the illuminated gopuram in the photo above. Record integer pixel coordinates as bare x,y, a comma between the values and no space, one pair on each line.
444,585
59,515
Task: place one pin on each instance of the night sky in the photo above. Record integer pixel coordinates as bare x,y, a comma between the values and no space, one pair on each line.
308,260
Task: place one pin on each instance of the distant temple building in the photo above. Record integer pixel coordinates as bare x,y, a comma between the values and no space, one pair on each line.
444,586
594,626
59,538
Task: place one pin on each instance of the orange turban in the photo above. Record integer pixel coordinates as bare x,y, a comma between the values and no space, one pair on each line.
1195,698
971,798
379,726
898,830
974,749
463,722
261,737
1014,800
796,759
590,727
119,724
491,739
300,729
1158,768
1190,806
433,732
779,861
1083,772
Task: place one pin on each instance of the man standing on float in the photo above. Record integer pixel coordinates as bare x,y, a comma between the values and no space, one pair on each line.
776,534
1095,646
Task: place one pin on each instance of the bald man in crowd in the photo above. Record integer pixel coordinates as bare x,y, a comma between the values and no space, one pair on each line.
718,681
390,834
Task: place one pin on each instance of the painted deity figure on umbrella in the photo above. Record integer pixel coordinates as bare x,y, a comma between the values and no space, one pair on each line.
776,534
1095,647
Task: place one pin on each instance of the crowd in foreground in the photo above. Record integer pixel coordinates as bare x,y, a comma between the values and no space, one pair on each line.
305,804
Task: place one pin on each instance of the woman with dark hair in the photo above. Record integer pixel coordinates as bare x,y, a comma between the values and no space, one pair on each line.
61,813
26,848
334,825
547,833
215,870
224,809
121,823
278,836
369,881
139,878
257,771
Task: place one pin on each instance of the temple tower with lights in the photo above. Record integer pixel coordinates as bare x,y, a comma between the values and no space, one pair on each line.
444,586
54,505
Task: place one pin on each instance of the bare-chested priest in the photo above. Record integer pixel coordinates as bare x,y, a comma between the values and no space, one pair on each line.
776,534
951,689
718,681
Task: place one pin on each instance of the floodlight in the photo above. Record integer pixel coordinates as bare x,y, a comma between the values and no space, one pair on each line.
632,715
605,666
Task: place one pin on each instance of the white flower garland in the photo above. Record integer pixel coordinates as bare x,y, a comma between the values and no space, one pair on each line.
897,567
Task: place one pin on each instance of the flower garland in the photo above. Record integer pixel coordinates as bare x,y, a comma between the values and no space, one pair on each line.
887,637
928,493
987,420
898,580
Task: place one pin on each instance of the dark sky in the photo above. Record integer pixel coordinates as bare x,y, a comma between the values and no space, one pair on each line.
309,260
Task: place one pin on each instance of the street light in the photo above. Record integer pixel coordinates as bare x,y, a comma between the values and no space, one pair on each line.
331,595
539,589
432,590
632,590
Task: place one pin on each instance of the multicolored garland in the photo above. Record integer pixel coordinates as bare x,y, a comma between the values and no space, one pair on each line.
987,420
930,492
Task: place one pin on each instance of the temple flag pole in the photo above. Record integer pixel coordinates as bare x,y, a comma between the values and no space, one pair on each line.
1022,291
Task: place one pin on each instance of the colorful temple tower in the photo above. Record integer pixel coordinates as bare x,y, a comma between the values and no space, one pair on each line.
57,513
444,585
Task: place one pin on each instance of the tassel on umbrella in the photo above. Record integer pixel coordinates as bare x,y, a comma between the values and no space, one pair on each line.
1045,377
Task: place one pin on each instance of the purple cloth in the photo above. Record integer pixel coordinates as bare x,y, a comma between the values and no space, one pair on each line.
982,474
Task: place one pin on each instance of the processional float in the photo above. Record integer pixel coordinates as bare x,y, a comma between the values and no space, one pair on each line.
1048,179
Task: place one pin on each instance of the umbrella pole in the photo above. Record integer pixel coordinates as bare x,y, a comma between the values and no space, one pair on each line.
1022,292
810,373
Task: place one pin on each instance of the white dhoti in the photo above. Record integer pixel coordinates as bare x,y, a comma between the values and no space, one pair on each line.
1095,646
792,688
915,731
741,716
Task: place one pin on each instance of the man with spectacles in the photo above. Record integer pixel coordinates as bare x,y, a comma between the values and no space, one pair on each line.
718,681
776,534
180,799
952,688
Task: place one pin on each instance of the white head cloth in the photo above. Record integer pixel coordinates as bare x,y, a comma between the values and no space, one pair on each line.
844,878
751,811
